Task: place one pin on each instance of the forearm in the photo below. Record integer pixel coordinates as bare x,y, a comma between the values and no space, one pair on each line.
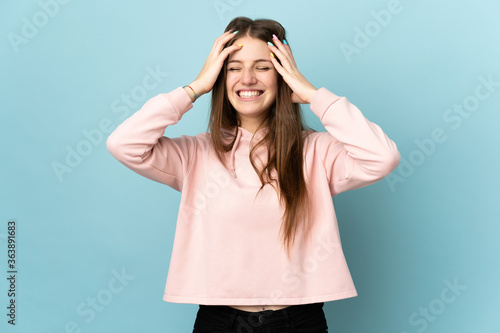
132,139
357,152
195,88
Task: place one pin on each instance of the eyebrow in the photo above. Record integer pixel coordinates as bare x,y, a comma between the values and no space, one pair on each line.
258,60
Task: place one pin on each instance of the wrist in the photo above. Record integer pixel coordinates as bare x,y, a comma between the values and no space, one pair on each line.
197,88
311,94
192,92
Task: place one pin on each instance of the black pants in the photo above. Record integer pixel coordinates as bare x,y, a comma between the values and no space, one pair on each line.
304,318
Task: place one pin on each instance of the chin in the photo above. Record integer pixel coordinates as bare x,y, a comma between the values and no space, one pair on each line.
251,106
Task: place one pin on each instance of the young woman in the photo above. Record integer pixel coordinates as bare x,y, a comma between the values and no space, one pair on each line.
257,244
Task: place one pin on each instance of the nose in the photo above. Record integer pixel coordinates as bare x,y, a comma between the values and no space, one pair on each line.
248,77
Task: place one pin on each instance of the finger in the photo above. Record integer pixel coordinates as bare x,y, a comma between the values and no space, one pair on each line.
285,48
228,50
222,40
285,61
284,55
280,45
232,48
277,45
279,68
226,34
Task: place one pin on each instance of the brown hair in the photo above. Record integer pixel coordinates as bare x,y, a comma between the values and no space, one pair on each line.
284,139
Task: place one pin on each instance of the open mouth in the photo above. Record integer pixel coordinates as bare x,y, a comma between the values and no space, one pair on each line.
249,94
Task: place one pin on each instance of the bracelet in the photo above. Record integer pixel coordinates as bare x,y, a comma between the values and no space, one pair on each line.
195,94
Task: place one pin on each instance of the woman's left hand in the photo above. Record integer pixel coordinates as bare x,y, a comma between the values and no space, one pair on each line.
302,89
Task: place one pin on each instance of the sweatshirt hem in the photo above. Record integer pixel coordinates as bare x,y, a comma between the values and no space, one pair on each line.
259,301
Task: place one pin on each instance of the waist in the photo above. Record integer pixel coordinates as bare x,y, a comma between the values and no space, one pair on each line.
254,309
227,318
257,308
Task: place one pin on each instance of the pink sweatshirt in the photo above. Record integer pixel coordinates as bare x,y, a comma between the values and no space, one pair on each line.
226,248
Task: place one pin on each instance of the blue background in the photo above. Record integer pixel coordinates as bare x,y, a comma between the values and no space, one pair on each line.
432,222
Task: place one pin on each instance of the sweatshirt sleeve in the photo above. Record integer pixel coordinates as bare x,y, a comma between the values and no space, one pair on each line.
139,144
354,151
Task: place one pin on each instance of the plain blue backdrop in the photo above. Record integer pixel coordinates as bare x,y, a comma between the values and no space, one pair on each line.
422,244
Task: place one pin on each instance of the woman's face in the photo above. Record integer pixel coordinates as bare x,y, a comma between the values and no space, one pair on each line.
251,81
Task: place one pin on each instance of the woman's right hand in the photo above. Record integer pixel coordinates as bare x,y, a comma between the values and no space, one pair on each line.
213,65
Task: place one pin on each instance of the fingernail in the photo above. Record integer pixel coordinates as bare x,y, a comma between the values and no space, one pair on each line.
240,45
270,43
272,55
274,36
284,42
235,32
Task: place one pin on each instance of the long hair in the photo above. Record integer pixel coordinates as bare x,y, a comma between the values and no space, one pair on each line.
284,138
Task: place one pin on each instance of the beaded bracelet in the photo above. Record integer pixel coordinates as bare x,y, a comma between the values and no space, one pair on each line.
195,94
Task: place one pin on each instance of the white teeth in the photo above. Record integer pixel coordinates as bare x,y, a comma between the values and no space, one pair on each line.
249,94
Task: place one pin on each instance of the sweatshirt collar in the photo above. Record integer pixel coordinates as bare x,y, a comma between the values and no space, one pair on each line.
245,135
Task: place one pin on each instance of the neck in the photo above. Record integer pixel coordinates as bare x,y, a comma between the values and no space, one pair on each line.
251,125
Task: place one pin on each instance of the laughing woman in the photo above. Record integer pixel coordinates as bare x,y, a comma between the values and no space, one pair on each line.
257,244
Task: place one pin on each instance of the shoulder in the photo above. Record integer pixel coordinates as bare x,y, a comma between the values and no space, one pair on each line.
313,135
317,140
193,141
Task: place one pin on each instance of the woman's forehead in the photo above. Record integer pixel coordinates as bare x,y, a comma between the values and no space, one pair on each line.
253,49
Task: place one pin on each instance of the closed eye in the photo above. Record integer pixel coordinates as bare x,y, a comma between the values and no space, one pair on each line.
259,68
